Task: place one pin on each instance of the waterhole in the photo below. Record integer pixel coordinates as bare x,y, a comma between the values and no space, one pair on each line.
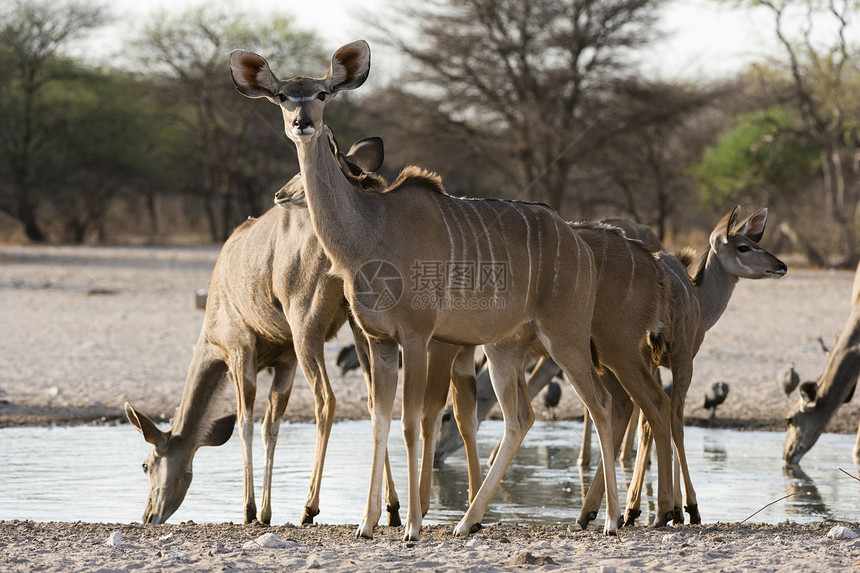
93,473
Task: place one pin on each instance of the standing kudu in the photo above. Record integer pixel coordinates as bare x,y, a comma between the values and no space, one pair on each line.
696,303
272,302
818,402
538,286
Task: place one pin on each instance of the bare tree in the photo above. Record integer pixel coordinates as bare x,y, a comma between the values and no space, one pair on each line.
529,84
189,53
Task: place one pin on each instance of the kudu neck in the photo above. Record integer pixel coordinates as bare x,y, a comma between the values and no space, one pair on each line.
339,211
714,289
205,378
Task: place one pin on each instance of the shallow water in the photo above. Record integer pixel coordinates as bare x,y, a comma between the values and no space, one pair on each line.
93,474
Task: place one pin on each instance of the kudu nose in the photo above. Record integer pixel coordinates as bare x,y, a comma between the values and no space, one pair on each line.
302,122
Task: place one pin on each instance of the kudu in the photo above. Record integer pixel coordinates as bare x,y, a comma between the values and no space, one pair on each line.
630,313
818,402
503,264
272,302
697,301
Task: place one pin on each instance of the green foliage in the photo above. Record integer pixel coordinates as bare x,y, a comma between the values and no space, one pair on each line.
762,158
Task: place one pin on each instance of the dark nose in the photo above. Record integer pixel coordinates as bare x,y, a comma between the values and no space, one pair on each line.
302,122
783,267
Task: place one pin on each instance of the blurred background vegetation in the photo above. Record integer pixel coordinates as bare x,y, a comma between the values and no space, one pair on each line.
539,100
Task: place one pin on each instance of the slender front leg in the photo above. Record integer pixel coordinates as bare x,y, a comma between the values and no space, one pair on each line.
441,356
414,389
243,369
279,397
643,456
383,387
309,349
682,378
392,503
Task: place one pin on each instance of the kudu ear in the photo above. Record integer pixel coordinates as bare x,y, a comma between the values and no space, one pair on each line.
145,426
350,66
720,234
252,75
809,392
220,431
753,226
367,154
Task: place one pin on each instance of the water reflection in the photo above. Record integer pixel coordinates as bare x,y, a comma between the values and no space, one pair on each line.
93,474
805,498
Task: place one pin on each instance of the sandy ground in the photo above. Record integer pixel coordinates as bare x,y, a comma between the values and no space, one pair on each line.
82,330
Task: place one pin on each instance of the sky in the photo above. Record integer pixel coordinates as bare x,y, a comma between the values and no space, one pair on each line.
706,40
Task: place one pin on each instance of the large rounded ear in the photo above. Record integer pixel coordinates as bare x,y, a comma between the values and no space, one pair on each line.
720,234
367,154
753,226
350,66
252,75
220,431
145,426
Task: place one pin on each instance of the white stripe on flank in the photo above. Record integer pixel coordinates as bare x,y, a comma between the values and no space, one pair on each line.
632,270
603,259
681,280
528,250
439,200
464,244
489,236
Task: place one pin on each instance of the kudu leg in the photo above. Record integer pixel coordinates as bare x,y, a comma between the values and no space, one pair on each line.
243,369
309,347
383,387
465,413
414,388
279,397
506,368
441,357
679,394
392,503
580,371
622,406
643,456
626,455
585,447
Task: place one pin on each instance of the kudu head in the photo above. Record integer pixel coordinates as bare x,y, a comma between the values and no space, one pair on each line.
736,247
168,465
301,99
364,157
804,424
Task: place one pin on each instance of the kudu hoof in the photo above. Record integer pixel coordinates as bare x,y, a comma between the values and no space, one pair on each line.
308,516
677,516
587,518
476,527
664,521
630,517
394,514
693,510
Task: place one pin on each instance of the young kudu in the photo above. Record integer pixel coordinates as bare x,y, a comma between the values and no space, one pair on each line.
520,276
818,402
272,302
696,302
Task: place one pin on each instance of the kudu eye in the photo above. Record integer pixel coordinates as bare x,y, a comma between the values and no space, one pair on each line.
145,467
744,248
281,98
322,96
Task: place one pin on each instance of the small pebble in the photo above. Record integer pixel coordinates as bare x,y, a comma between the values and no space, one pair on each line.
312,562
114,539
672,538
574,528
841,532
269,540
607,569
